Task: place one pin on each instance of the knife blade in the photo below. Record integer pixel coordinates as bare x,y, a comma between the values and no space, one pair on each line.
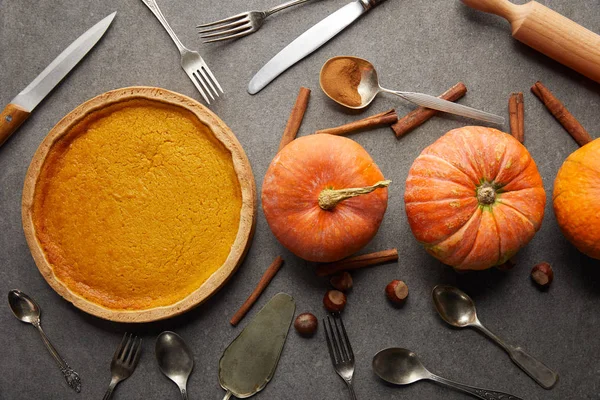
19,109
310,41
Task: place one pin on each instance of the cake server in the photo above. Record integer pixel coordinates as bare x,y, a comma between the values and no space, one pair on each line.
310,41
18,110
249,362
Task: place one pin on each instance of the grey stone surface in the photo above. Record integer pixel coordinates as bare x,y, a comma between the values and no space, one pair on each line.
417,45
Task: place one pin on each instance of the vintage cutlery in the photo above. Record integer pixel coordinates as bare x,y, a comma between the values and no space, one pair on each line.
27,310
18,110
457,309
124,361
340,350
249,362
550,33
310,41
403,367
369,88
175,359
191,62
241,24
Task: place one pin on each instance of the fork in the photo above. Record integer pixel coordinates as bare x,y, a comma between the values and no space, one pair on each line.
340,350
241,24
124,361
191,62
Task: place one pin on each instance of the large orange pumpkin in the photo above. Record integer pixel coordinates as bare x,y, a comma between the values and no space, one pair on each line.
323,197
474,198
577,198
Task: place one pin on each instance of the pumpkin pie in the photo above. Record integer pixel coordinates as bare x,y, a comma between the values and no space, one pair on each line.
139,205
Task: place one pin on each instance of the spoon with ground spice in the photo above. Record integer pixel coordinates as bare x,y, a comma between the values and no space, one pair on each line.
353,83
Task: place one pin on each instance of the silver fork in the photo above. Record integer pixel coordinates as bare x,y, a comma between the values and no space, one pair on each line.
241,24
124,361
191,62
340,350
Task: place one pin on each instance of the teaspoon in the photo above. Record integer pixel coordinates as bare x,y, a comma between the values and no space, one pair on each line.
458,309
369,87
403,367
175,359
28,311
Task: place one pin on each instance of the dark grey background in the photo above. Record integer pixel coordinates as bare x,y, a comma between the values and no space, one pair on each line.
417,45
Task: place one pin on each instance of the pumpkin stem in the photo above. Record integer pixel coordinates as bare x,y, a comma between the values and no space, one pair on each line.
486,194
329,198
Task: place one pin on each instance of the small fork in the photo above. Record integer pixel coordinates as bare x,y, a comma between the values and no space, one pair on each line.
124,361
191,62
340,350
241,24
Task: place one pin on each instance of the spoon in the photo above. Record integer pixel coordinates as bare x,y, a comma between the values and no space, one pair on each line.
403,367
28,311
175,359
369,87
457,309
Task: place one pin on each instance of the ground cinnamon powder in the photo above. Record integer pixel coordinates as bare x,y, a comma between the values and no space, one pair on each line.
340,79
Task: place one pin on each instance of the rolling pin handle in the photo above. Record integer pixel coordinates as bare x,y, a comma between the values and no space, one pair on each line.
503,8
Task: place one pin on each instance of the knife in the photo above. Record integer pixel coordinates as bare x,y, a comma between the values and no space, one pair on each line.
249,362
18,110
310,41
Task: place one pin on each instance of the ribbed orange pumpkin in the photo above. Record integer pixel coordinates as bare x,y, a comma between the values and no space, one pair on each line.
474,198
577,199
312,201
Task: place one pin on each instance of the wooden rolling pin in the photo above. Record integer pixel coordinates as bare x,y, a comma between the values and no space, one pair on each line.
550,33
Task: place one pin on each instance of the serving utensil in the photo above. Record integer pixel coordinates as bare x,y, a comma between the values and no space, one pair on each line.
550,33
19,109
192,63
458,309
310,41
249,362
403,367
241,24
28,311
124,361
175,359
340,350
369,87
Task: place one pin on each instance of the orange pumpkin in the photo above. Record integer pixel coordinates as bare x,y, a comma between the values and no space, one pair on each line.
474,198
323,197
577,199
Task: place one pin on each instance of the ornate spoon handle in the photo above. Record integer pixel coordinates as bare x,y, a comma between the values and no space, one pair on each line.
70,375
477,392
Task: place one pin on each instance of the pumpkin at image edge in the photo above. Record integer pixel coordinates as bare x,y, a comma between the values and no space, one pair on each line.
576,199
474,198
306,203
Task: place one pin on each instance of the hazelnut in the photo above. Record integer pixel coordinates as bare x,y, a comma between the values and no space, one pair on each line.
506,266
334,301
542,274
306,324
397,291
341,281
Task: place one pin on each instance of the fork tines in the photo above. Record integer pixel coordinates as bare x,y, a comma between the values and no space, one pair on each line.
228,28
204,80
338,343
128,352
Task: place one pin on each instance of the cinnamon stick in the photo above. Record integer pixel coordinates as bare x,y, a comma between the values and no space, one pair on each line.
356,262
562,115
262,285
385,118
516,112
420,115
296,117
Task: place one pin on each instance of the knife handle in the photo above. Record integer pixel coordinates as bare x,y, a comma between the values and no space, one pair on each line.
368,4
10,119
